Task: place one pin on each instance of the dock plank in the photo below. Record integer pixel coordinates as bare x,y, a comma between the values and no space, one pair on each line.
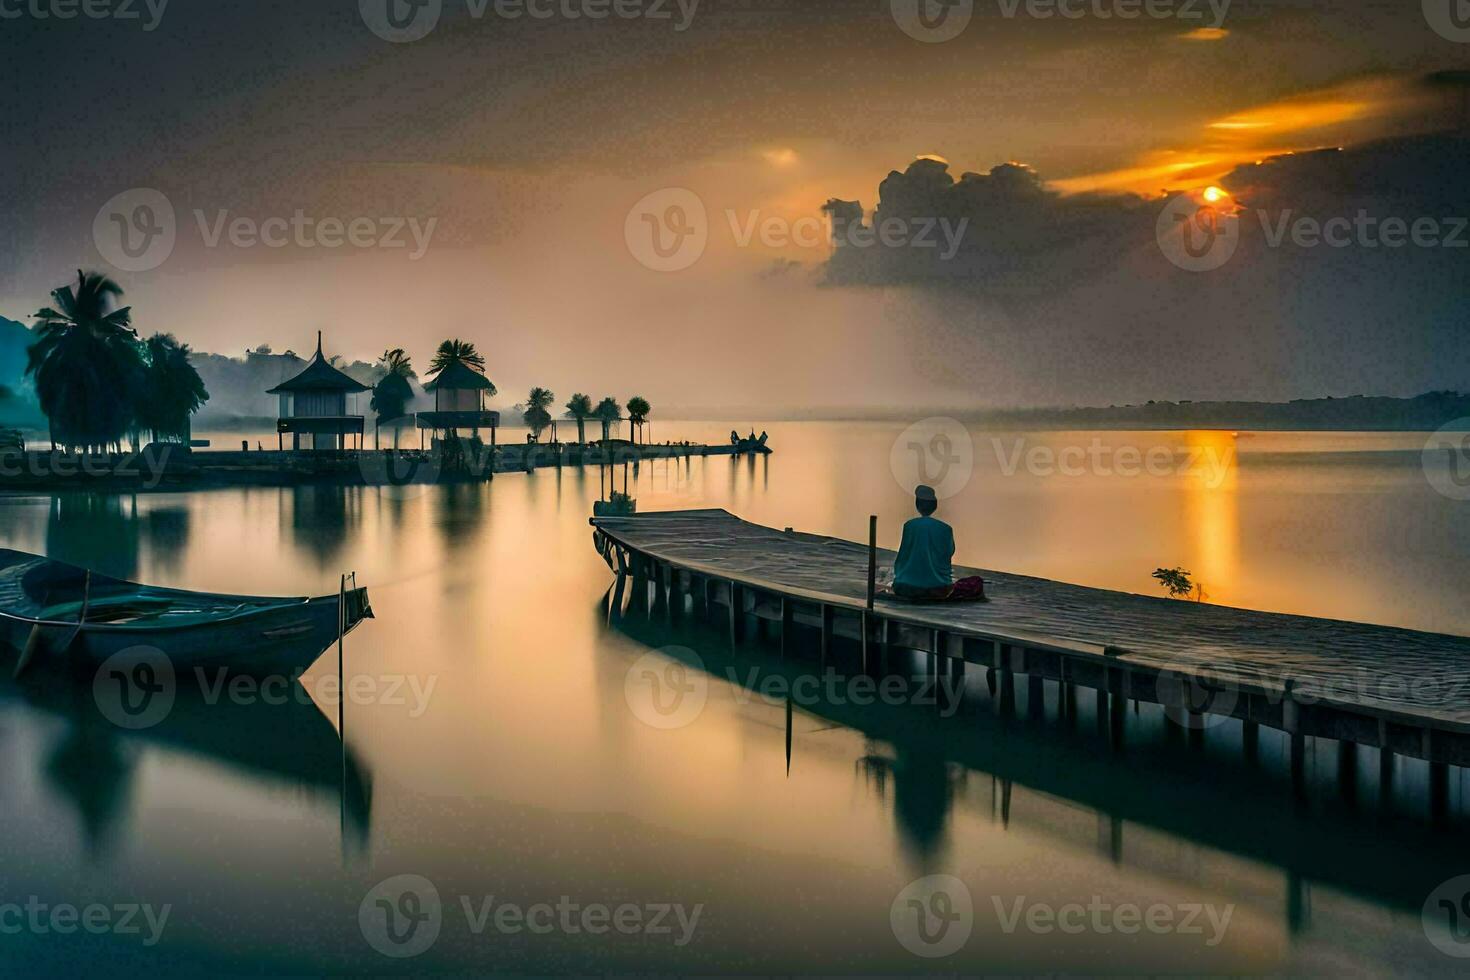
1393,673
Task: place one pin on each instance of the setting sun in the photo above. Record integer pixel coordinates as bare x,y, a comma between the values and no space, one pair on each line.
1215,194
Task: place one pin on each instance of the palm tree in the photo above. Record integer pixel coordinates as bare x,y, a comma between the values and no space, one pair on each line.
638,409
87,364
172,390
462,351
536,416
579,407
392,393
607,412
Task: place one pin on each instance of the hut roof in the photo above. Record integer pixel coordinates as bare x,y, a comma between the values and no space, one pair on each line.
318,375
457,375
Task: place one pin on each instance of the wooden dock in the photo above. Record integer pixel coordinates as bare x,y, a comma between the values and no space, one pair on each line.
1400,691
175,468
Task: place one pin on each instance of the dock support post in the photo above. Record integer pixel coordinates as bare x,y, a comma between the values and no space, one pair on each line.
955,695
872,559
1439,792
735,615
1299,764
1347,772
1005,682
826,649
1035,697
788,623
1385,776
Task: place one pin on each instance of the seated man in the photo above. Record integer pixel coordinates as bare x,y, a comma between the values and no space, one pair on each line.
922,569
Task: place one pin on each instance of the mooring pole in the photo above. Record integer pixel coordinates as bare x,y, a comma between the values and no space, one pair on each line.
342,704
872,585
872,558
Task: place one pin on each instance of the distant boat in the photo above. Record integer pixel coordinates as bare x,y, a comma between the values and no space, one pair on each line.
52,609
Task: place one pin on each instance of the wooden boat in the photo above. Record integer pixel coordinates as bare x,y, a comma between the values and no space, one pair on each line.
52,609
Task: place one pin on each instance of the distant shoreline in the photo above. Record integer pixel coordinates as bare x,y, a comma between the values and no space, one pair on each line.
1359,413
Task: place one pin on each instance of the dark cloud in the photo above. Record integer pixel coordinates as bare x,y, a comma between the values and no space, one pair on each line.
1002,233
1079,289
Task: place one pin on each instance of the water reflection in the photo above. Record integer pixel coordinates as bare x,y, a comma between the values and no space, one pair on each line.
320,519
167,531
271,742
1162,802
77,523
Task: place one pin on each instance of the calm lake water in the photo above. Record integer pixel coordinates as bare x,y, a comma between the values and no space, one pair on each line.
501,748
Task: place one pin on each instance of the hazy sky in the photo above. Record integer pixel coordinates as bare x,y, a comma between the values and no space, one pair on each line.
515,149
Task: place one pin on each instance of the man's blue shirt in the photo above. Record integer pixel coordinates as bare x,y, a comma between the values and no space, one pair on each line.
924,555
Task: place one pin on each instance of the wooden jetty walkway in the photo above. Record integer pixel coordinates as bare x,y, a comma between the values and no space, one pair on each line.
175,467
1401,691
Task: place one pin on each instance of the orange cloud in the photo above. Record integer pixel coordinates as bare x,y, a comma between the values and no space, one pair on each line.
1349,113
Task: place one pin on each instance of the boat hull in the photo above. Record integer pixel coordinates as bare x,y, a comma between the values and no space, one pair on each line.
271,641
